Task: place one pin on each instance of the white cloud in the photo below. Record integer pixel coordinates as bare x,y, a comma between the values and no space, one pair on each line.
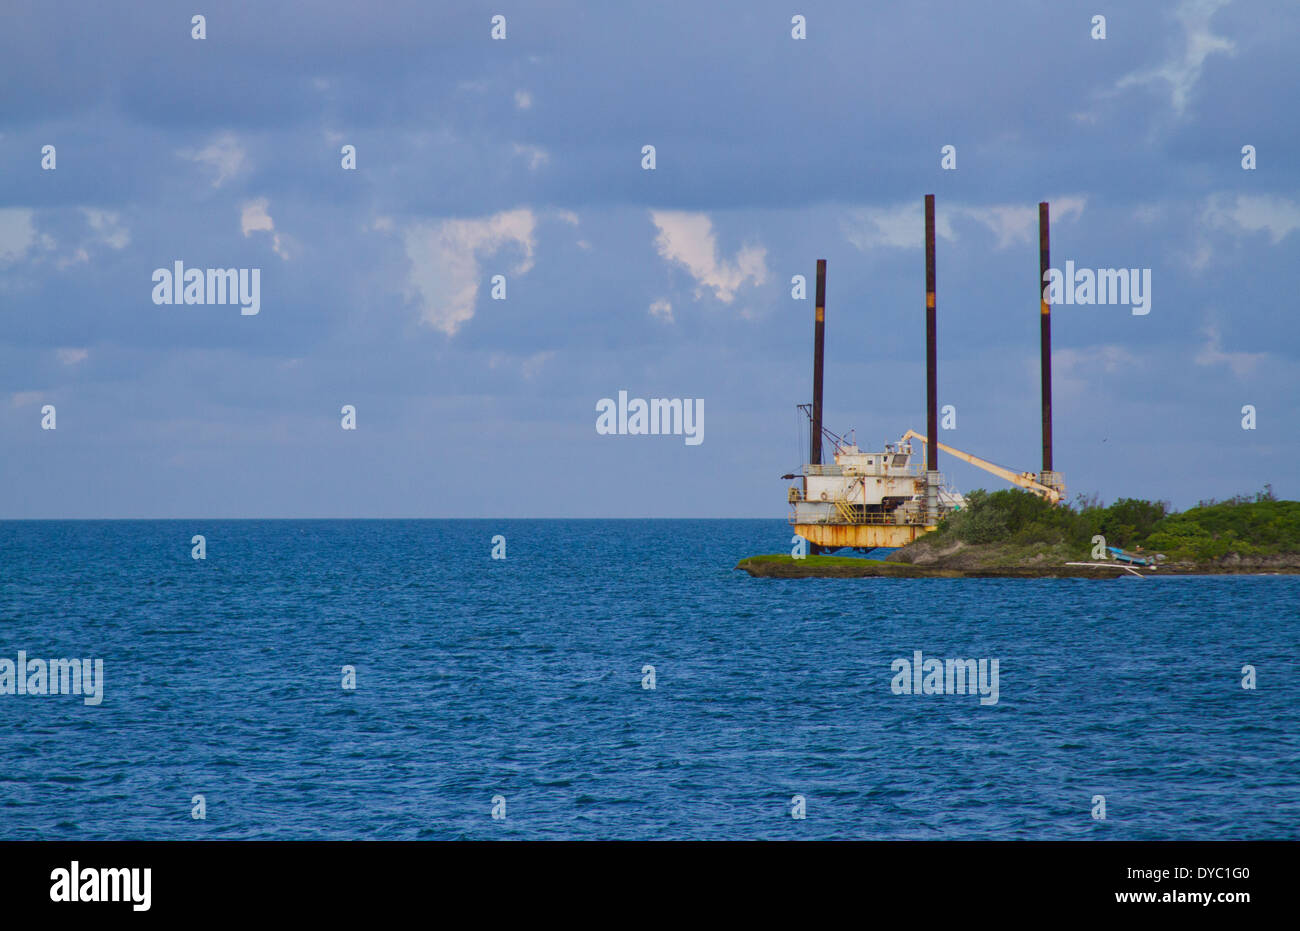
72,356
528,366
18,236
523,100
107,227
25,398
1251,213
1241,363
1013,223
1010,223
688,240
903,226
77,258
536,156
17,233
662,309
445,271
533,364
1106,358
1078,372
1198,259
224,156
1181,72
253,218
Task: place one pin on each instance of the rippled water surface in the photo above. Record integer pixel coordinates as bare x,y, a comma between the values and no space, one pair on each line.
523,678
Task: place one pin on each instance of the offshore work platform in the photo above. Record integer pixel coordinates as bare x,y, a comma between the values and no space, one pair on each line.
889,498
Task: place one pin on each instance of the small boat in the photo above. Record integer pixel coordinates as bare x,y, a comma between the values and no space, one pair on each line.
1130,558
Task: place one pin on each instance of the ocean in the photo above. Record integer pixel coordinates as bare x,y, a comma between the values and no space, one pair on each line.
518,687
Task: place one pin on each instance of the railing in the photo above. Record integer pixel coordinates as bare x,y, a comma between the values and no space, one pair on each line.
848,513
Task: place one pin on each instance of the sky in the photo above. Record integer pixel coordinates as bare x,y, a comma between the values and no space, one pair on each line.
523,157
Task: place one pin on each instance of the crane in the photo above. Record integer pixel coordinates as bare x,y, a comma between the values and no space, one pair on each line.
1026,480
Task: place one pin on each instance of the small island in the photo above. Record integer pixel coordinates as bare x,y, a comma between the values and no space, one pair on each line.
1014,534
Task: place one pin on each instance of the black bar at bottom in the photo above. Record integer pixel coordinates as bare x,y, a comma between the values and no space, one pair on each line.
332,880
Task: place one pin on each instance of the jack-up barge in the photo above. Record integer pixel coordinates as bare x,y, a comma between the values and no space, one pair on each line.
866,500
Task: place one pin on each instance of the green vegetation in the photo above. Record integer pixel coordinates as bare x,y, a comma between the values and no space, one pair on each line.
1013,534
1257,525
1248,526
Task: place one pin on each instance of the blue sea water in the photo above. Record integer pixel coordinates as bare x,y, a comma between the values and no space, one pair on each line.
523,678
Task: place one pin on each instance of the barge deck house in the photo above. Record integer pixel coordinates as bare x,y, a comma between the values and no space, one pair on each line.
868,499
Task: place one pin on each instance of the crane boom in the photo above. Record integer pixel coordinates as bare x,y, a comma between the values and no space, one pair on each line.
1025,480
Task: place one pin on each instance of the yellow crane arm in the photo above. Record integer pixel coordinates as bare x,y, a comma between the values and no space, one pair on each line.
1025,480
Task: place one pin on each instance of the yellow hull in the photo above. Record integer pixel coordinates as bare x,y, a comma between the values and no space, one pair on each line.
862,535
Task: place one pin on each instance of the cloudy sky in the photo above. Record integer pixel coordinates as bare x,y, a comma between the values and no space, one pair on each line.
522,157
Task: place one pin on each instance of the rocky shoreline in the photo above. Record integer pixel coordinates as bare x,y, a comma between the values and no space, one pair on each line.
924,560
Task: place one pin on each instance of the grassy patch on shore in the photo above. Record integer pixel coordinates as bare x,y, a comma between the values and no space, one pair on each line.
1020,524
807,560
786,566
